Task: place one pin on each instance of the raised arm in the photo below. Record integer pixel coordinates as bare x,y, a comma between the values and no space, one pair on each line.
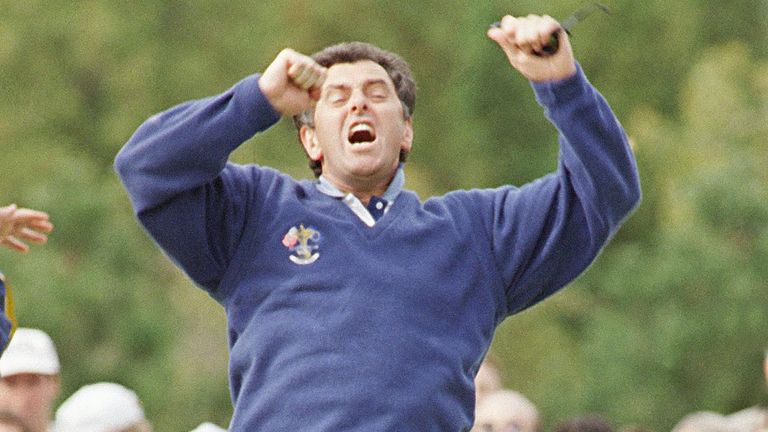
546,233
176,171
188,145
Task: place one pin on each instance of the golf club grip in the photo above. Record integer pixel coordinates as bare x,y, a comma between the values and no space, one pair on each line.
550,48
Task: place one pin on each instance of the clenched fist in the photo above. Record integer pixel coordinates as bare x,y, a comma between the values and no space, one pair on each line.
523,40
292,82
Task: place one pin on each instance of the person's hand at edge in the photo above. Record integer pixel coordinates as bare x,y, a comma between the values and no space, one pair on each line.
20,225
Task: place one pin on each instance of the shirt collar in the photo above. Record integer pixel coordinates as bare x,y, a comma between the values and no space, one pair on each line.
393,190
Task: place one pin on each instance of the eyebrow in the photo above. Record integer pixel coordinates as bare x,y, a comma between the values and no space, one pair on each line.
367,83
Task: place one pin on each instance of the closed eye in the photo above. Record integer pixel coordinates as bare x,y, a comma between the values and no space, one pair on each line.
337,96
377,91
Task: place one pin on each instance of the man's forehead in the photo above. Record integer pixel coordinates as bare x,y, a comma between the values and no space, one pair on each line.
360,72
26,379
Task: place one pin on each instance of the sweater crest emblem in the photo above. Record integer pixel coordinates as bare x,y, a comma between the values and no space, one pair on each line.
303,243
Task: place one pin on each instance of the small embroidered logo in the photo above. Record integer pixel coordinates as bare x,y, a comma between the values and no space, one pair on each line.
303,243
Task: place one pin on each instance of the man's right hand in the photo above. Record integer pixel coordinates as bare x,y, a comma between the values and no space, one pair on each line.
292,82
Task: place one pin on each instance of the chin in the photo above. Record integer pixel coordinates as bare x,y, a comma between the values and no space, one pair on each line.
365,165
364,172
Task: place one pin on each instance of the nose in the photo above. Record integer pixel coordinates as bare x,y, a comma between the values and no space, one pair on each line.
359,103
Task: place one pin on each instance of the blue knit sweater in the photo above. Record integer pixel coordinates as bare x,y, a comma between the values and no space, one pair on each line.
335,326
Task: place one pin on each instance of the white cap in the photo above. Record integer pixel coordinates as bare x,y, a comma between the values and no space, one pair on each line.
504,408
749,419
99,407
30,351
208,427
703,421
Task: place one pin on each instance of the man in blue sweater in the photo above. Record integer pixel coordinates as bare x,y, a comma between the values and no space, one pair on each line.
351,304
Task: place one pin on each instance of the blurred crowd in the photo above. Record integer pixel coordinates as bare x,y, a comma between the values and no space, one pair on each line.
29,386
498,409
30,370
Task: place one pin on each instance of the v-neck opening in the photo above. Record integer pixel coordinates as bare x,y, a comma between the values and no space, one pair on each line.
348,216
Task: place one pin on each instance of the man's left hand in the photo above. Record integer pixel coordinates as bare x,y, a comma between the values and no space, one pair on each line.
523,40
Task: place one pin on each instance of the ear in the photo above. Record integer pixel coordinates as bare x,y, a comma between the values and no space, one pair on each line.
308,138
407,141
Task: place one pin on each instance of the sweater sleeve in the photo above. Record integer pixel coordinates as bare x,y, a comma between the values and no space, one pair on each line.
546,233
184,192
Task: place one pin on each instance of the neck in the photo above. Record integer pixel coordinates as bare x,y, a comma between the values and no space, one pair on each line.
363,190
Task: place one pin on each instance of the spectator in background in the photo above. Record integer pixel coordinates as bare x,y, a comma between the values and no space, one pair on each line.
506,411
208,427
102,407
765,366
11,423
704,421
589,423
18,225
7,320
753,419
487,379
29,378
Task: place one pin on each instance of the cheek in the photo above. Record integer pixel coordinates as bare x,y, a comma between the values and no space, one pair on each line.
328,116
396,133
328,128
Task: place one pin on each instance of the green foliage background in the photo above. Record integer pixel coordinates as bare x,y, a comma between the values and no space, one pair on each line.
671,318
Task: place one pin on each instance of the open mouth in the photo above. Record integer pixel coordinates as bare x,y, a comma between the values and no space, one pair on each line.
361,133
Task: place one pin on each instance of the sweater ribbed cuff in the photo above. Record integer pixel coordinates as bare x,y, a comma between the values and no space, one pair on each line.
255,103
551,93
